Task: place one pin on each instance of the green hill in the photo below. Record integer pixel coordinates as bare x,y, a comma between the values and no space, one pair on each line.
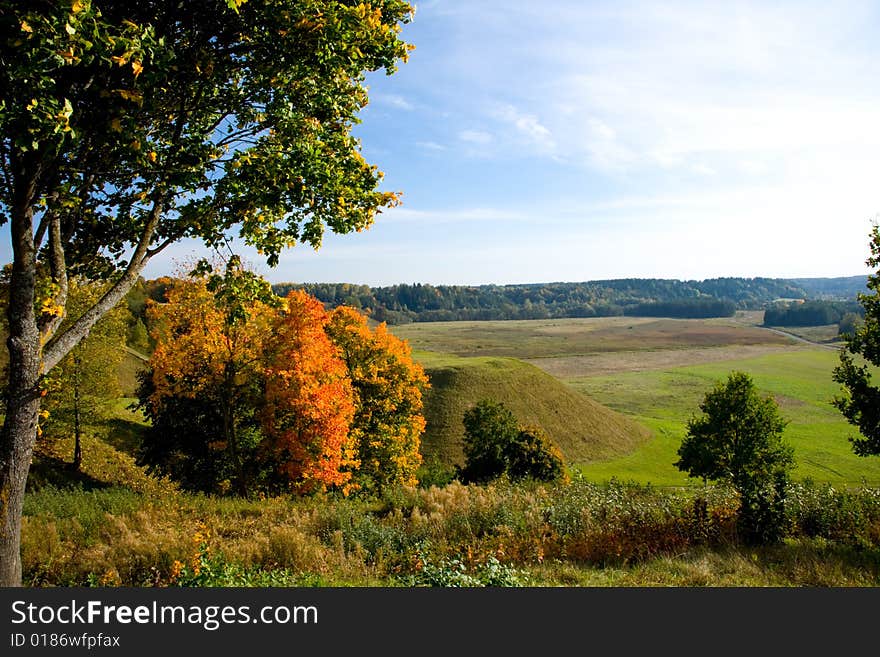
583,429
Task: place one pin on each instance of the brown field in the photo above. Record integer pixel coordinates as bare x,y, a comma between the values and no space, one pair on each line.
600,364
533,339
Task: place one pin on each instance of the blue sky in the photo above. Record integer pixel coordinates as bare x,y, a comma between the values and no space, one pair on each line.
568,140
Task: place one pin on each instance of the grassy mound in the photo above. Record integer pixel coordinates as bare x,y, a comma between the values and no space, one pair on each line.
583,429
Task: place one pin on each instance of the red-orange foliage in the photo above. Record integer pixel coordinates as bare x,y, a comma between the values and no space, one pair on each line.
388,385
308,400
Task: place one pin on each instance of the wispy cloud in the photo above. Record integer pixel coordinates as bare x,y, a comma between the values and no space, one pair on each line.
430,145
393,100
450,215
610,138
475,136
527,127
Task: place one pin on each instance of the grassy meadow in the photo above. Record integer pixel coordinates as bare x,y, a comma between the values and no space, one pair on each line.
656,372
800,382
583,429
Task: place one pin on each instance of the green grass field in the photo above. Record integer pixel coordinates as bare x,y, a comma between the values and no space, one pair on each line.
664,400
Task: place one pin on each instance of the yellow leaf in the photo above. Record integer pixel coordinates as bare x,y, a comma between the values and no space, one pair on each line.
68,55
26,28
116,59
135,145
77,6
151,156
137,67
116,125
134,96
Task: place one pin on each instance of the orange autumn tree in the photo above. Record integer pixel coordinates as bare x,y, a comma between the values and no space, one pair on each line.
309,401
388,385
202,384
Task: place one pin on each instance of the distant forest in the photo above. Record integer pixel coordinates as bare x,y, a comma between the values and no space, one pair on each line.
716,297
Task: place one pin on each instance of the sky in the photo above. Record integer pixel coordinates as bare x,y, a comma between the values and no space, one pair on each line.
569,140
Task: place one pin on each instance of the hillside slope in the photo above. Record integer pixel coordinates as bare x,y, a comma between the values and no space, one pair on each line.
583,429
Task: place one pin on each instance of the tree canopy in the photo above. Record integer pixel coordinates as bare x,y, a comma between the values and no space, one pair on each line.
388,384
494,445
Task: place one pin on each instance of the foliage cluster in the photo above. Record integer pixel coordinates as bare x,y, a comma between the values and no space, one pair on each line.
246,394
738,440
126,127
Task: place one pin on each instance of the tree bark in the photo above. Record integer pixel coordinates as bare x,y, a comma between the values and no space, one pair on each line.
23,392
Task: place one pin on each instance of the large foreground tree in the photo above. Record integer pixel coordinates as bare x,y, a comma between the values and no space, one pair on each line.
126,126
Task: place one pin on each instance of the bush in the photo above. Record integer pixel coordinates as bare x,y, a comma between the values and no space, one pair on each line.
488,428
532,455
494,445
453,572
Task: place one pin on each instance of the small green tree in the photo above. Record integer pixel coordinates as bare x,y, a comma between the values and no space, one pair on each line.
859,400
849,324
494,444
488,428
738,440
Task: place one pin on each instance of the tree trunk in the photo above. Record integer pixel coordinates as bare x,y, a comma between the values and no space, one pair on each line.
23,392
17,445
77,442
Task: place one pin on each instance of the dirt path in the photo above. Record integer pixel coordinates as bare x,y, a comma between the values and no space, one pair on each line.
799,338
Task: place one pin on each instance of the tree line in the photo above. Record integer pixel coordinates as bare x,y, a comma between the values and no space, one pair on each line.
719,297
810,313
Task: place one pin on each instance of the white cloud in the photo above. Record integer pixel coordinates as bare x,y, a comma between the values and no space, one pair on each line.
672,138
528,127
431,145
445,215
475,137
393,100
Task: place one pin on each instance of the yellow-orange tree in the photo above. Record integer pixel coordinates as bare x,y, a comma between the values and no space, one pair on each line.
388,385
204,378
309,401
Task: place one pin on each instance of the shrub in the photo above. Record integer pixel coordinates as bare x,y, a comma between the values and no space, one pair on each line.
532,455
453,572
488,428
494,445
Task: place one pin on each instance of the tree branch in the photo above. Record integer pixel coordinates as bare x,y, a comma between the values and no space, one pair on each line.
61,344
58,270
